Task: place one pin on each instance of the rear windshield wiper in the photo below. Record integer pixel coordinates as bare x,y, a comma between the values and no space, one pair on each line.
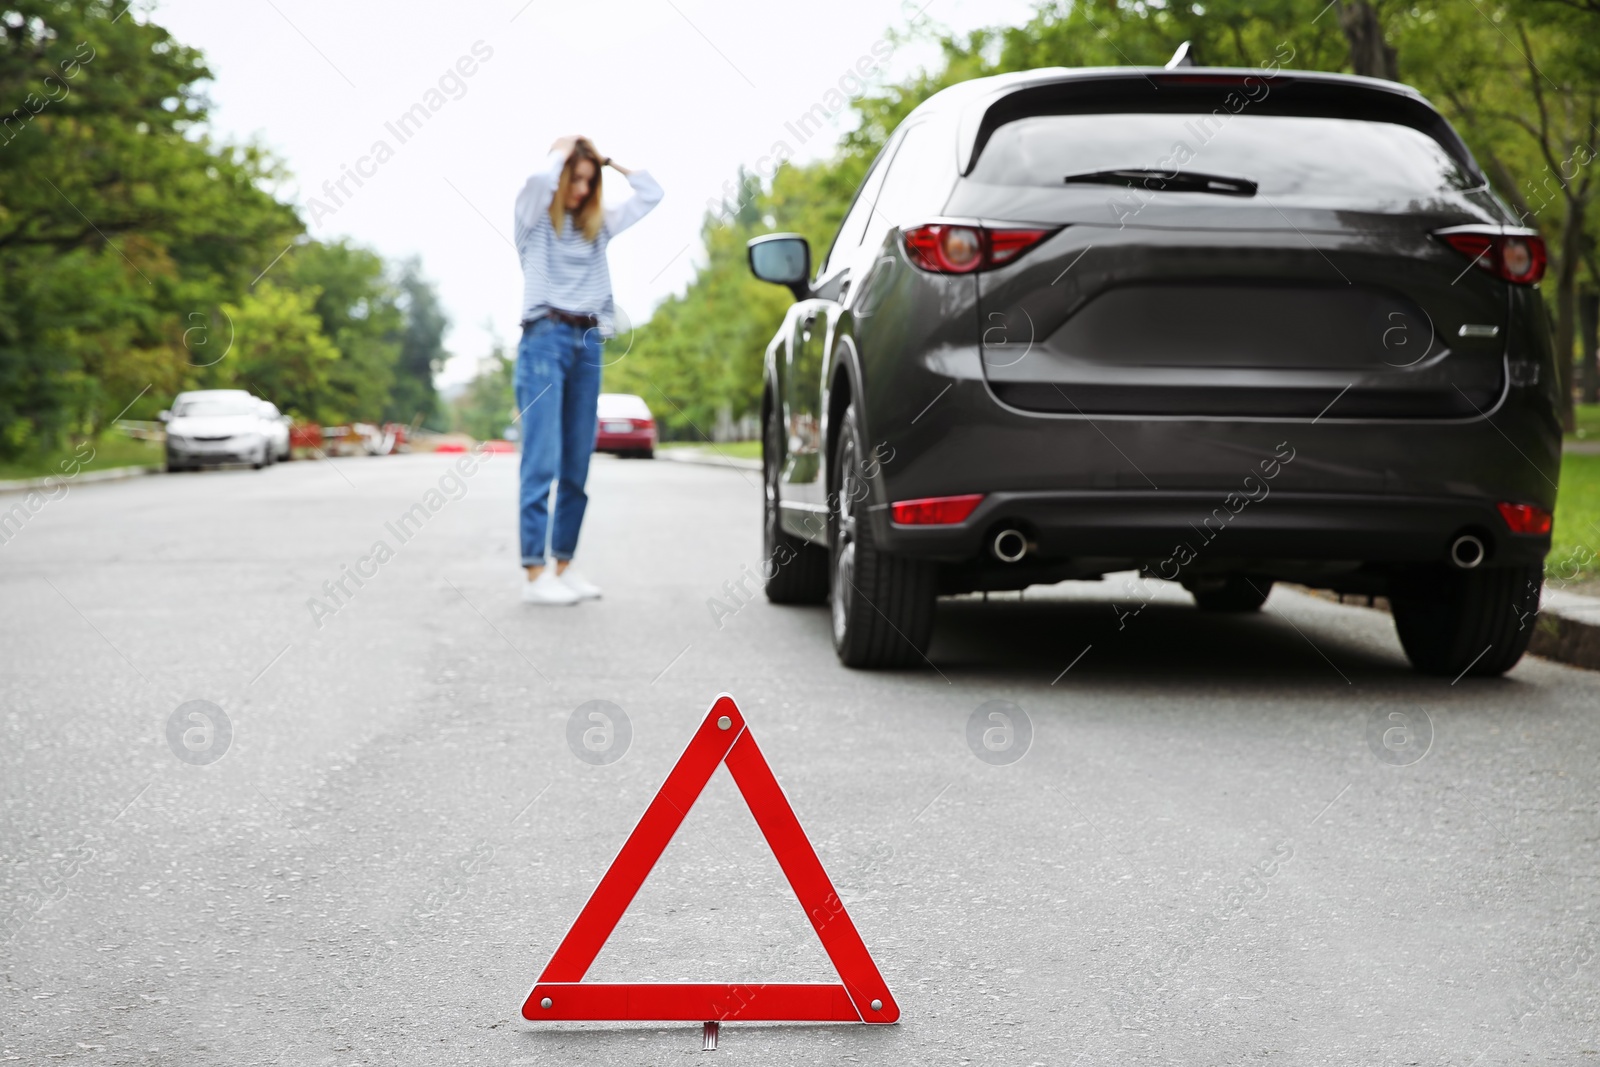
1156,179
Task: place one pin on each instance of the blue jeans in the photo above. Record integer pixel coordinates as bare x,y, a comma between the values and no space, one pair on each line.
558,392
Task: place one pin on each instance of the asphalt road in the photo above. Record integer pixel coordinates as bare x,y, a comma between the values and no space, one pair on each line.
1220,846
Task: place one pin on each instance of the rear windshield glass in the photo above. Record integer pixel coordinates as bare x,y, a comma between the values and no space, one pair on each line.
1285,155
623,406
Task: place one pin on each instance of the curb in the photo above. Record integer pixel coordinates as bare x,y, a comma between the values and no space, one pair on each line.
1567,629
707,459
1566,640
115,474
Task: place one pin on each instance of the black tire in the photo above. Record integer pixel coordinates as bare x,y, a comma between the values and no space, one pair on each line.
1466,622
1237,593
647,453
175,468
795,571
882,604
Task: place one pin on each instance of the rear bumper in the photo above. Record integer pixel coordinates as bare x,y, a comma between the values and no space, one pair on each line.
1193,532
642,441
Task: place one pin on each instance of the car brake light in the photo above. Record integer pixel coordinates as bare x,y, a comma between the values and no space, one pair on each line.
1516,258
643,424
1525,518
1006,245
935,510
948,248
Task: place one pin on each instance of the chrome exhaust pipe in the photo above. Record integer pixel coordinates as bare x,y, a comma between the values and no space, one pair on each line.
1467,551
1009,545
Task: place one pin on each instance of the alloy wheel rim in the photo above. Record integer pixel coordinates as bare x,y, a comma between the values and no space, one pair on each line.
843,584
844,564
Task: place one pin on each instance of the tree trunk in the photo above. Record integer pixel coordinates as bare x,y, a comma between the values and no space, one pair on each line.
1370,54
1589,340
1567,305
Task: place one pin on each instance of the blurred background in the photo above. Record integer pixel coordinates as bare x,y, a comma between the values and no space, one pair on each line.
311,202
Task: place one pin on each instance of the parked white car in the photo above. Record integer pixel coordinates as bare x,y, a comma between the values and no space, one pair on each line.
215,426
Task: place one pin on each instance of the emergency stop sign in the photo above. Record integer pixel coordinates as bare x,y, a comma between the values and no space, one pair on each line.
861,995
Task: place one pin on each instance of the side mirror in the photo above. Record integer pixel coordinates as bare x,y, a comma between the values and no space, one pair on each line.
783,259
164,416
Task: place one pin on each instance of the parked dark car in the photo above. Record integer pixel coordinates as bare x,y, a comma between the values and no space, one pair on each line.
1223,326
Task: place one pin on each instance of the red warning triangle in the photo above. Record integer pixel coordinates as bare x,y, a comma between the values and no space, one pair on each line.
861,996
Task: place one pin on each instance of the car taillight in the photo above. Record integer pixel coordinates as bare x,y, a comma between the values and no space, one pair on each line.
950,248
1516,258
1525,518
935,510
643,424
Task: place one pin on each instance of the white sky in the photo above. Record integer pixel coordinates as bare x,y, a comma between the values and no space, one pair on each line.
688,89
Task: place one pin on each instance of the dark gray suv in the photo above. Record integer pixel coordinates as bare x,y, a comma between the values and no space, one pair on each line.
1225,327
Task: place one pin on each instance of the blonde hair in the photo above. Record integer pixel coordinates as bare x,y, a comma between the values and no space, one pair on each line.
589,214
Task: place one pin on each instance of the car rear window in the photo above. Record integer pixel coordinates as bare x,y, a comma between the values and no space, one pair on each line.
623,406
1291,156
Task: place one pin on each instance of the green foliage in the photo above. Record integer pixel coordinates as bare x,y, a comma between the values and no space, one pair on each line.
422,351
358,311
127,236
281,352
117,219
485,409
1588,422
1575,541
111,450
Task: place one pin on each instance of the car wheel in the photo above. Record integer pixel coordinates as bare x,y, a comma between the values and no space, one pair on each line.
648,453
1233,593
794,570
1474,622
261,459
175,468
882,604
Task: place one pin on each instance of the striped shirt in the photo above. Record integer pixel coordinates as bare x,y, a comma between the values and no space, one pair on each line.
568,272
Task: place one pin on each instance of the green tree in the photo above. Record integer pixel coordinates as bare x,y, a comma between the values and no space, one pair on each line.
281,353
422,351
358,307
485,408
119,220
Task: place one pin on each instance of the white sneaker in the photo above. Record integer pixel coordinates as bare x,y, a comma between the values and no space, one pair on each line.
576,582
548,589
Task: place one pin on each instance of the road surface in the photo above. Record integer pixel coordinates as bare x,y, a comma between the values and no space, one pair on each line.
1229,840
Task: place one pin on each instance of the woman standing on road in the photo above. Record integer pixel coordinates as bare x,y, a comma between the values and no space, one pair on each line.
562,233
